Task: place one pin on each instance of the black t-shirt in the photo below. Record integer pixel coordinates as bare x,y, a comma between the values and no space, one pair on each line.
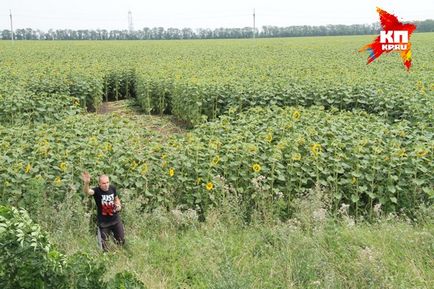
105,204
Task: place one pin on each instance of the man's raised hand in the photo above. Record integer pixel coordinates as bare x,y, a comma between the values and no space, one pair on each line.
85,177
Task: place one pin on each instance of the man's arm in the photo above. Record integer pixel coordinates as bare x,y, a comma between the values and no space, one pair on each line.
86,180
118,204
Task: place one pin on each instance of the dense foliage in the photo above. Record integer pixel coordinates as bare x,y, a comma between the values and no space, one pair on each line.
367,138
29,260
270,122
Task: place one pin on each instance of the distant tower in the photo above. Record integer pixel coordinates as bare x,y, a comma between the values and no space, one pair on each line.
12,27
130,22
254,23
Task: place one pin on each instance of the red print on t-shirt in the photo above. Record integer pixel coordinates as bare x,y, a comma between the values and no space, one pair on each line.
107,205
107,209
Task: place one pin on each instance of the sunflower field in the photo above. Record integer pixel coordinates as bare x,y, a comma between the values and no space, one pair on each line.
267,120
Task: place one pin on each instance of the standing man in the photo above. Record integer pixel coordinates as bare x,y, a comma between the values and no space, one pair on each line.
108,205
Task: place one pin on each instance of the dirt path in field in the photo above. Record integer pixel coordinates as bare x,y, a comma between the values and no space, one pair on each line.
166,125
105,108
124,107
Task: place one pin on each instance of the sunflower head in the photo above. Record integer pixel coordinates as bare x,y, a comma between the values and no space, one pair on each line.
28,168
171,172
57,181
144,169
215,160
421,153
269,137
256,168
296,115
209,186
316,149
296,156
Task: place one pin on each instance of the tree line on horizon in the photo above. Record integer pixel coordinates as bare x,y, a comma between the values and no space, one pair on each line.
160,33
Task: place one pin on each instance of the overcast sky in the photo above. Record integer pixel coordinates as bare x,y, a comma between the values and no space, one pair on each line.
109,14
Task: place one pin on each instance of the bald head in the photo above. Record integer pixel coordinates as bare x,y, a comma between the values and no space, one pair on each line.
104,183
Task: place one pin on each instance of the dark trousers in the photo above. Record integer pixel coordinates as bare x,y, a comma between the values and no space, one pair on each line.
104,233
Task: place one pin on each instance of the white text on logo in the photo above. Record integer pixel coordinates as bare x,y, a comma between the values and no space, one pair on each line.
394,40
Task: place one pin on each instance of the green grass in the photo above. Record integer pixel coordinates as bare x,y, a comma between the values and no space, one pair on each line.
174,250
